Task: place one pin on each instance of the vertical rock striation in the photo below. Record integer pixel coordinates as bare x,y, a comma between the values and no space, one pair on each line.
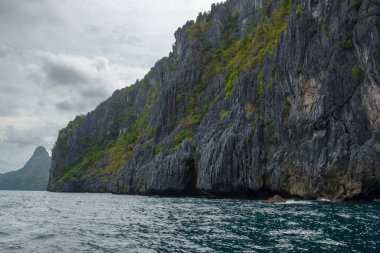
256,97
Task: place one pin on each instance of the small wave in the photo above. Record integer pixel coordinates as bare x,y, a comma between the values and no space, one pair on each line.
43,237
292,223
295,232
143,224
12,247
51,209
324,200
284,246
258,247
295,202
331,242
343,215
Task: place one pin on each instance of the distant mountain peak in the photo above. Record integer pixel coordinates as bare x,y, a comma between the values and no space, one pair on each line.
33,176
40,150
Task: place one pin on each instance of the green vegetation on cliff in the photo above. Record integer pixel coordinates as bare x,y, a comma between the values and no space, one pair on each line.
357,4
106,157
231,58
250,51
244,104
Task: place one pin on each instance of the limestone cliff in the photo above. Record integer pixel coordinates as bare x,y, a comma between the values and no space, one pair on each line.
257,96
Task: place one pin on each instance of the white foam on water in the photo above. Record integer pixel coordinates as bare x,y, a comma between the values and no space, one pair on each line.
324,200
331,242
292,223
295,202
284,245
343,215
299,232
259,247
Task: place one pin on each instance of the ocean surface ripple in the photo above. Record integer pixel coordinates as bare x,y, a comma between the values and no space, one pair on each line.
66,222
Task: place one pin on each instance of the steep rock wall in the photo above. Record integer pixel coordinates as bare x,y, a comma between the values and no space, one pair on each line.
256,97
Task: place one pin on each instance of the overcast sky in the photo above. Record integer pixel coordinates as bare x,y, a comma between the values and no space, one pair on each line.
60,58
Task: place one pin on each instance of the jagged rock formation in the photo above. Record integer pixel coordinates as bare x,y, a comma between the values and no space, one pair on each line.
257,96
34,176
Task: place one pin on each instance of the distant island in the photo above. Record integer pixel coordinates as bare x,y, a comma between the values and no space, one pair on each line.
34,176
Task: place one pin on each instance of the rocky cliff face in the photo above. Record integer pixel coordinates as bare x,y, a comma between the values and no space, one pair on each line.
257,96
34,176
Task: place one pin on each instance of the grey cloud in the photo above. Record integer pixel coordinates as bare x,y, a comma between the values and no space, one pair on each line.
64,106
8,105
27,13
64,74
34,73
81,82
52,86
4,163
23,137
75,83
29,136
129,39
10,88
95,92
77,71
74,104
5,51
63,70
8,111
92,29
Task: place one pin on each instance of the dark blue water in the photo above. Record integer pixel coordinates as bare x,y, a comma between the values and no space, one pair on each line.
60,222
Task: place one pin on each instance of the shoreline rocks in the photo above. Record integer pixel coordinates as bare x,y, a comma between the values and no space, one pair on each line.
276,199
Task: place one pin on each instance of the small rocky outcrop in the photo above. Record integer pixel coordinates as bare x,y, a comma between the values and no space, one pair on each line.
276,199
256,96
